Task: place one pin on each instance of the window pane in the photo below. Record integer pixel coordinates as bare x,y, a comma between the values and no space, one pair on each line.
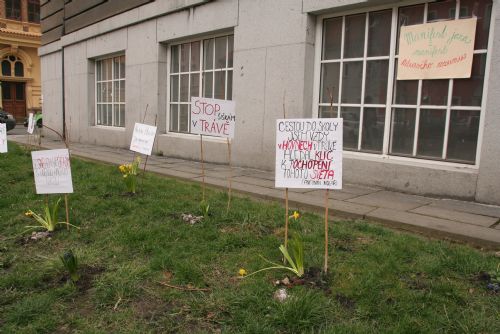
354,40
184,93
332,35
122,67
482,10
207,84
462,138
195,85
379,33
376,81
174,117
20,91
184,118
351,127
98,114
230,51
327,112
122,115
229,85
435,92
409,16
116,92
195,56
116,112
122,91
438,11
330,82
18,69
174,88
405,91
220,85
108,69
6,90
431,133
351,82
469,92
98,70
220,52
6,70
185,57
174,63
403,131
116,68
208,54
109,92
373,129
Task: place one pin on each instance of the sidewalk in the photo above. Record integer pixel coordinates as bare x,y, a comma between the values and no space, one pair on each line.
470,222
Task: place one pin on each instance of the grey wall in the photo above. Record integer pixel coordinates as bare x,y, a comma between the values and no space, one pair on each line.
273,60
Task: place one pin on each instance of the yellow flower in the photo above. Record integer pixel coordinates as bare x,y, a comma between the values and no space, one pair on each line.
28,213
122,168
296,215
242,272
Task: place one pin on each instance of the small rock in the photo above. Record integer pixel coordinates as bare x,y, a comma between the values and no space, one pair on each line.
285,281
280,295
40,235
497,254
191,219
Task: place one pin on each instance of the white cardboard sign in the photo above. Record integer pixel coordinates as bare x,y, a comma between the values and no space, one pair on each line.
309,153
31,124
143,138
52,171
213,117
3,138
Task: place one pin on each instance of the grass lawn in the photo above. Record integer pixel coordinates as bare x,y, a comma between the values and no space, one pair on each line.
381,281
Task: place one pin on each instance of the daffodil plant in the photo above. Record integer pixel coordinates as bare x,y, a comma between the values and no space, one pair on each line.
48,220
295,260
70,263
129,173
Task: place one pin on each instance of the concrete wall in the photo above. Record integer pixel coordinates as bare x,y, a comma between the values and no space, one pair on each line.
273,60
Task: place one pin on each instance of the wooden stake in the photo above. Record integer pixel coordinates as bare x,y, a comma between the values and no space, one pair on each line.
202,168
230,174
67,210
325,269
286,218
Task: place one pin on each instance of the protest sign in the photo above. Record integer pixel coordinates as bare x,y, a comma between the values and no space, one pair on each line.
212,117
31,124
3,138
439,50
52,171
309,153
143,138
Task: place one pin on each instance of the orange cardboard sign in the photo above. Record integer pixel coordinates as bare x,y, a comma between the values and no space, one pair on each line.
440,50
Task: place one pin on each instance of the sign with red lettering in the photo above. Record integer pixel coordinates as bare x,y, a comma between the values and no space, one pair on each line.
440,50
212,117
309,153
52,171
143,138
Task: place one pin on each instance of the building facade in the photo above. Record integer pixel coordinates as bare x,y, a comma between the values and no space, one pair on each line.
105,62
19,42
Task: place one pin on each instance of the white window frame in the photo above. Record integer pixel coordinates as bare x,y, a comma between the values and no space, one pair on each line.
385,156
112,81
200,72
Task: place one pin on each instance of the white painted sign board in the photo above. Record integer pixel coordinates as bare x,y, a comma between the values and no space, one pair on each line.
439,50
213,117
31,124
309,153
52,171
3,138
143,138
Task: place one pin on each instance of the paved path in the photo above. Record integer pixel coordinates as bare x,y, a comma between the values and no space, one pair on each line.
469,222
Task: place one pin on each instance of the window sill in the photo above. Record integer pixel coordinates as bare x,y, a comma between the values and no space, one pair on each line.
193,137
108,127
413,162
